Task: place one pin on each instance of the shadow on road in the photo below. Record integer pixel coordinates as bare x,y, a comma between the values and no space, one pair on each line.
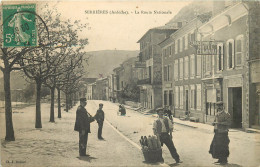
86,158
230,165
174,164
152,163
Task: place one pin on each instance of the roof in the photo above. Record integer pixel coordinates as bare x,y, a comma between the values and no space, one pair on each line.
130,60
117,69
159,29
166,42
193,24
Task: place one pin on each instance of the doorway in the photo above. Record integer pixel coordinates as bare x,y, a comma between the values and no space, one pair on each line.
187,102
235,106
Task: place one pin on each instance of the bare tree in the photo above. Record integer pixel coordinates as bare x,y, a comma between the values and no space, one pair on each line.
10,58
46,65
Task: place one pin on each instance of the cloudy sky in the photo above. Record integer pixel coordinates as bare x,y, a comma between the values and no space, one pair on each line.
118,25
120,31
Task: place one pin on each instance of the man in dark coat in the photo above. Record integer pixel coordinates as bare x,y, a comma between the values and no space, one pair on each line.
100,116
82,125
161,128
219,147
168,112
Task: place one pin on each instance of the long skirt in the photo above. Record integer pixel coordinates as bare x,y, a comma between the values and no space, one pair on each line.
219,146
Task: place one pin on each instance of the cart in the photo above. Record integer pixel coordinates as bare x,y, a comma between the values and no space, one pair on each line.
152,156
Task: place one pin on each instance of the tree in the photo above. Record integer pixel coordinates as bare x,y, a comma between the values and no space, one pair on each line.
45,65
10,58
29,92
75,71
131,92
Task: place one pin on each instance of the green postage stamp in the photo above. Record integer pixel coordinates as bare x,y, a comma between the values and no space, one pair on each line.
19,27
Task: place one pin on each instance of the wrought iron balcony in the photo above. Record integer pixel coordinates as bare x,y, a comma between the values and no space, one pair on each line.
144,81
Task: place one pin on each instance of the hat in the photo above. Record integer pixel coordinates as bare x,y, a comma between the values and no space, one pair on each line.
219,103
83,99
159,109
100,104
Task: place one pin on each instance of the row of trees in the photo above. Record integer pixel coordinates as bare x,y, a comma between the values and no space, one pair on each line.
56,62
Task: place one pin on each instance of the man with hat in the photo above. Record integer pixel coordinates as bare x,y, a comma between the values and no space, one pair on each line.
100,116
161,128
82,125
219,147
168,112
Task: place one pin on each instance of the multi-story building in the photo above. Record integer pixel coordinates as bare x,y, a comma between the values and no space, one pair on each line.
88,85
102,89
181,68
254,64
116,83
110,87
228,45
90,90
150,77
125,76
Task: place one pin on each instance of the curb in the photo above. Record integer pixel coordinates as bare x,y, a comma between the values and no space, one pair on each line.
185,125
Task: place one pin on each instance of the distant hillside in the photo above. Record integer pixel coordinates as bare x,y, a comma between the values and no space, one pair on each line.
100,62
190,11
104,61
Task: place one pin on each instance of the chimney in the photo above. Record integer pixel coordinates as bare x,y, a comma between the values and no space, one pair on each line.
179,24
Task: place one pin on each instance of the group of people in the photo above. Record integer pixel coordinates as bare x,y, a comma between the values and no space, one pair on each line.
162,128
219,148
82,124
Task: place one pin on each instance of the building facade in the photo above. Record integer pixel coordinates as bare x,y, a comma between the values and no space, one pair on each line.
150,52
226,53
101,89
181,69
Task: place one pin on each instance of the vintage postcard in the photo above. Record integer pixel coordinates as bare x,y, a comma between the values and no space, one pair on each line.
130,83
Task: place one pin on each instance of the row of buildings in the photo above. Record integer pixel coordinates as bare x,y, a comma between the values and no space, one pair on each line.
189,66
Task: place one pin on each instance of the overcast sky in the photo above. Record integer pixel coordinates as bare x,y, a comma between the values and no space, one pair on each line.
120,31
117,31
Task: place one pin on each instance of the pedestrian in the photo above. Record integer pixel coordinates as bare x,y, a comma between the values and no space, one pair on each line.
162,127
219,147
100,116
168,112
82,125
122,109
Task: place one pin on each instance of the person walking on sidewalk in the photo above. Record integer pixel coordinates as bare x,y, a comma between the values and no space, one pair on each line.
82,125
219,147
100,116
162,127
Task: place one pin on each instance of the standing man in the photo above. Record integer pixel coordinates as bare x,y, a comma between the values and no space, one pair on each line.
162,127
168,112
219,147
82,125
100,116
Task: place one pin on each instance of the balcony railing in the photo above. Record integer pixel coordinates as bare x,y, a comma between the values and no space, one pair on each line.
144,81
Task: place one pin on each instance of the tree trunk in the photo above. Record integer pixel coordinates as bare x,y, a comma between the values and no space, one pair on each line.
38,121
59,107
52,105
70,101
8,106
67,102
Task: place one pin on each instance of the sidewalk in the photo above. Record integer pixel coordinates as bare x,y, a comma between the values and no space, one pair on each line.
198,125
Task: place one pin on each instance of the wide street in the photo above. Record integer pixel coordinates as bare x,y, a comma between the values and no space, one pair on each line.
56,144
